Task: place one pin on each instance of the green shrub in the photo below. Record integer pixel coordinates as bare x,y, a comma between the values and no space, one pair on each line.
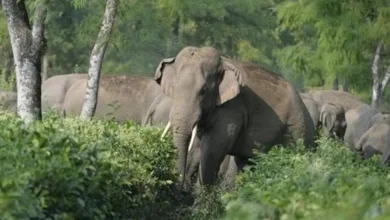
70,169
333,183
98,169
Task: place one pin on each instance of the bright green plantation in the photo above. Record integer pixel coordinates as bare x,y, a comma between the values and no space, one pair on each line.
71,169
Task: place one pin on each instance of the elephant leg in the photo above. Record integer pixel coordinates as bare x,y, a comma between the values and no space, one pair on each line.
217,142
235,166
224,168
368,152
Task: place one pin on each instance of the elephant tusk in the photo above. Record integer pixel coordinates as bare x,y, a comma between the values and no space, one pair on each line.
194,130
166,130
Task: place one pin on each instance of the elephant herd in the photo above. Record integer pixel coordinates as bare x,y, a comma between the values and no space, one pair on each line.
362,128
220,110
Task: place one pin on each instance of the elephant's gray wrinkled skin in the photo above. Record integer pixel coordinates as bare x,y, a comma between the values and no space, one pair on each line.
55,88
234,106
158,111
340,98
228,170
305,96
376,140
8,101
358,122
122,97
332,118
380,118
312,107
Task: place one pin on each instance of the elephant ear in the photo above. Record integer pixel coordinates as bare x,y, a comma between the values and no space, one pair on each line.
328,120
165,75
230,84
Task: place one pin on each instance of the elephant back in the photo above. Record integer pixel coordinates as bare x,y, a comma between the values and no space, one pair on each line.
55,88
341,98
125,84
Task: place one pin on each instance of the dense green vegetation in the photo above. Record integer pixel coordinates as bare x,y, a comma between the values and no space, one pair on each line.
64,168
72,169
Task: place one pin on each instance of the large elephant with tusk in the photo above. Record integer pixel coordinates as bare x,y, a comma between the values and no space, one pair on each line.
228,107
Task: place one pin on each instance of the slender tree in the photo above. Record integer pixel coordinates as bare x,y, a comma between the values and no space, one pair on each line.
28,46
378,86
96,60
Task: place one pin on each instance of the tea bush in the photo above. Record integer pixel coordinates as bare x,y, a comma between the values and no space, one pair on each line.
64,168
71,169
333,183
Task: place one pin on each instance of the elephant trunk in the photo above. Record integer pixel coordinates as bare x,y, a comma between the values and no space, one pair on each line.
184,130
182,140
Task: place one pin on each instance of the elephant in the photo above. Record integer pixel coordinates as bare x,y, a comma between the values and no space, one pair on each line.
380,117
228,107
332,118
340,98
228,170
358,122
313,109
8,101
376,140
305,96
124,97
158,111
55,88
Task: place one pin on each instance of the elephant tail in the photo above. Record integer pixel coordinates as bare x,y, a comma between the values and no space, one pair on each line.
148,117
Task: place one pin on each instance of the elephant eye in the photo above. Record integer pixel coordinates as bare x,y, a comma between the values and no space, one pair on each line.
203,90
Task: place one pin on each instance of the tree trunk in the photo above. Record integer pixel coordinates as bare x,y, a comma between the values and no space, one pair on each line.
336,84
385,80
96,60
345,85
376,87
45,68
9,63
28,45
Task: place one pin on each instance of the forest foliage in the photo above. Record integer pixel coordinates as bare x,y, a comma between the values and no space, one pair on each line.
310,42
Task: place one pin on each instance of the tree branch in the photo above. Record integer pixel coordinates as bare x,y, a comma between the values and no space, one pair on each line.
375,62
96,60
376,87
385,79
17,17
20,16
38,24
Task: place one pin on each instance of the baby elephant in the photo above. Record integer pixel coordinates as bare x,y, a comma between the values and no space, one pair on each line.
376,140
332,118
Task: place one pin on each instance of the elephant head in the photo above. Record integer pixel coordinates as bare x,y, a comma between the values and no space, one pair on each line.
198,80
333,120
381,117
